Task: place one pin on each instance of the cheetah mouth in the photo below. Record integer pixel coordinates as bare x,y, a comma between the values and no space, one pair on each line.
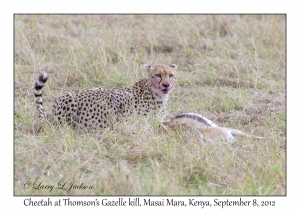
165,91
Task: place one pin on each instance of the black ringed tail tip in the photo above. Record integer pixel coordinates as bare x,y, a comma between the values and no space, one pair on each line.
43,77
41,81
38,94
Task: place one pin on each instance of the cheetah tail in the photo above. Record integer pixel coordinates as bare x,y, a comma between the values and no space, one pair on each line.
38,94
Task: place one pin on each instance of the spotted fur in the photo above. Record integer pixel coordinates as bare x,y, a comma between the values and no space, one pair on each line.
100,107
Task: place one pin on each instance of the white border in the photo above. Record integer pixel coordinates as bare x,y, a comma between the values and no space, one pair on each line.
154,6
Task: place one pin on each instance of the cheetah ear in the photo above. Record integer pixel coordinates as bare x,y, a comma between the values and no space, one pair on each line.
148,66
173,66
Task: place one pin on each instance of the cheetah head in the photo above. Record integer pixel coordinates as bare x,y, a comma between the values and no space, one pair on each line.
162,77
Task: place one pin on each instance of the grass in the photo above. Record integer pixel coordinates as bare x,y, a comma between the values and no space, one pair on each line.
231,70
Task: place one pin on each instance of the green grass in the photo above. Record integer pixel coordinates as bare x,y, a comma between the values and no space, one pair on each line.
231,70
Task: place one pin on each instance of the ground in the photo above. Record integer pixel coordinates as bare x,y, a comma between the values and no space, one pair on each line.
231,69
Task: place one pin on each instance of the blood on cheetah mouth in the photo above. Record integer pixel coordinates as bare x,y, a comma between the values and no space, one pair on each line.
165,91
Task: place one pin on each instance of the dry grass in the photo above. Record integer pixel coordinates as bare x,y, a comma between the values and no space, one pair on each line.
231,70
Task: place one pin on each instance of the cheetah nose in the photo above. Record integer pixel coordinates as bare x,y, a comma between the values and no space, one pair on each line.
165,85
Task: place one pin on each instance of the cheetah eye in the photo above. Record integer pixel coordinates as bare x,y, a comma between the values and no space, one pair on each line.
171,75
158,75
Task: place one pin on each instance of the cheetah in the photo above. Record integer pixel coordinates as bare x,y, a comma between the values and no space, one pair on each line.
100,107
